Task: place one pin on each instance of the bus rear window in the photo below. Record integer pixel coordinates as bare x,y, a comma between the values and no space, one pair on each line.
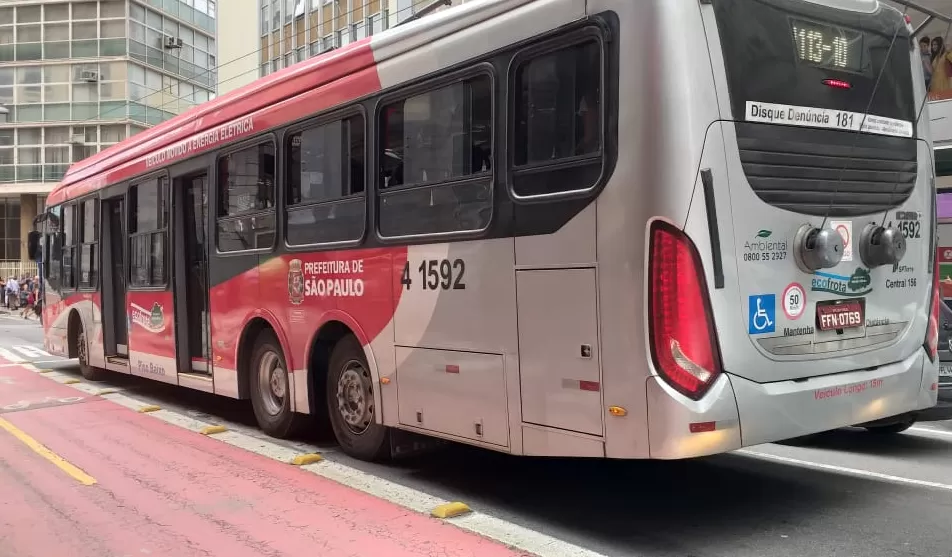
782,54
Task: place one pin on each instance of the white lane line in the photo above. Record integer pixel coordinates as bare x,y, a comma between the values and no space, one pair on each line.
11,356
513,535
31,351
930,430
844,470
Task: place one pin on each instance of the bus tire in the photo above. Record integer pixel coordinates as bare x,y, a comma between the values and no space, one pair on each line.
90,373
271,388
351,405
891,429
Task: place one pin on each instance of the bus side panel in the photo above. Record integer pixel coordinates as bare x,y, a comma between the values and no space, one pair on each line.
667,103
152,335
301,292
455,336
55,322
230,301
90,309
462,338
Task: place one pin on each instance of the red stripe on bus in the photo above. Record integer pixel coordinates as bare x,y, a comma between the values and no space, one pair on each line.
292,94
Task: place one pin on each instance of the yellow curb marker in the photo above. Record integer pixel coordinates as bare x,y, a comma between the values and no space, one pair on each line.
450,510
38,448
213,429
45,370
101,392
149,408
72,381
305,459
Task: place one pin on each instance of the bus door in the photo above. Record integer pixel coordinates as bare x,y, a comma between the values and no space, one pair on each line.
191,275
115,322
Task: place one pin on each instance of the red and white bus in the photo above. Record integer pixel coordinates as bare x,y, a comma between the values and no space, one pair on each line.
596,228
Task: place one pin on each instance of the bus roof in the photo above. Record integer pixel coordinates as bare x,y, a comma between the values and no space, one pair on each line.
128,158
263,92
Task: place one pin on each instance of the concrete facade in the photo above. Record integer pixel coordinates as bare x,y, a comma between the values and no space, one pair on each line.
289,31
78,76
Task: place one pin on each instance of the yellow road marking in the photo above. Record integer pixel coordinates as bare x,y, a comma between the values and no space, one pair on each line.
213,429
57,460
305,459
450,510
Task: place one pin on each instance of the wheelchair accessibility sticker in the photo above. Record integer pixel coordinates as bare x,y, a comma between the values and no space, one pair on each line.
761,314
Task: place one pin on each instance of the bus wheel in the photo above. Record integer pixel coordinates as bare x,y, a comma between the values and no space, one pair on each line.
350,403
89,372
271,389
891,429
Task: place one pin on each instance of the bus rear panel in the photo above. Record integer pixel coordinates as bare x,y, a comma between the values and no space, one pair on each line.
823,290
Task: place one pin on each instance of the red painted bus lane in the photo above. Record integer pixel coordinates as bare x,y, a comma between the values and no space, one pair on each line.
165,491
21,389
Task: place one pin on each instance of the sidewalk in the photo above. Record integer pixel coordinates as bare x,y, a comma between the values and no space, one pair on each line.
84,476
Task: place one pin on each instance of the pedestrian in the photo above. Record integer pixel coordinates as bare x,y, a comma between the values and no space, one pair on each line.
28,303
926,53
12,289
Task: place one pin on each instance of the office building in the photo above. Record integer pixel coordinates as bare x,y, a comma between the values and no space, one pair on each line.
76,77
289,31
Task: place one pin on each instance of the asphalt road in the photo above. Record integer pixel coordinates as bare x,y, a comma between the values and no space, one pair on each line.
848,493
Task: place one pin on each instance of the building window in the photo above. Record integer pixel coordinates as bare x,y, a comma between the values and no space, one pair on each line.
9,229
148,232
325,187
436,162
89,239
246,199
558,120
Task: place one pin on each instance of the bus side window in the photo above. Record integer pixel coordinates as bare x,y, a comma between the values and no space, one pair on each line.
89,244
148,232
68,247
246,208
325,183
54,258
558,120
436,160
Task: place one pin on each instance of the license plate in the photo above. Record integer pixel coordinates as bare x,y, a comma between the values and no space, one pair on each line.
847,314
945,371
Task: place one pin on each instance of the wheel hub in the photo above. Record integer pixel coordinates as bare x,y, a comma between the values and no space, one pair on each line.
355,398
272,382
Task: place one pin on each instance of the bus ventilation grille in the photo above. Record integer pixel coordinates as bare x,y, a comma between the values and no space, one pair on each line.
798,169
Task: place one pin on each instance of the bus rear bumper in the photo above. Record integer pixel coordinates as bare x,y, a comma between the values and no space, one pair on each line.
737,412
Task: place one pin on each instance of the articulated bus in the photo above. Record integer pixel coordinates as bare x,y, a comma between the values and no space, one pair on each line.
543,227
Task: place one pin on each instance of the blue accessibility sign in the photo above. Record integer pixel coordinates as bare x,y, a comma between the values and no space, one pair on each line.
761,314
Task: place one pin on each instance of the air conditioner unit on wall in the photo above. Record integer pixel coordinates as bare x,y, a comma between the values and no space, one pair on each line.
90,76
173,42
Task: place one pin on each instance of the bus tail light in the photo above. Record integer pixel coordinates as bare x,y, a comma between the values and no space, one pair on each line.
683,342
932,333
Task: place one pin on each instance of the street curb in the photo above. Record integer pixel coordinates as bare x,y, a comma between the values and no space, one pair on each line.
455,513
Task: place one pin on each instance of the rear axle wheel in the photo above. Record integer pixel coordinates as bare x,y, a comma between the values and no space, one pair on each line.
351,403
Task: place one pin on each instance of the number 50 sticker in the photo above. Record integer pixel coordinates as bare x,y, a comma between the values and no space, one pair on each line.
794,301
